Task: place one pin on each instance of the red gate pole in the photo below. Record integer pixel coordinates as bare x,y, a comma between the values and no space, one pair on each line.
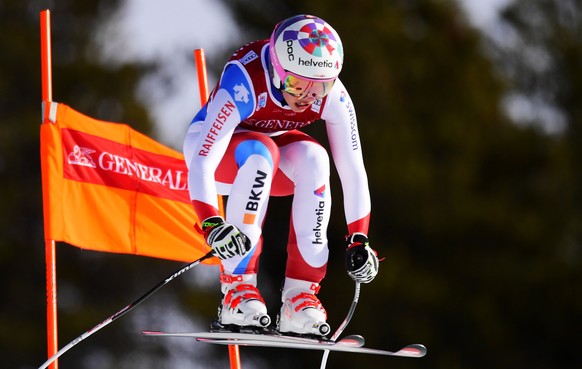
50,252
233,350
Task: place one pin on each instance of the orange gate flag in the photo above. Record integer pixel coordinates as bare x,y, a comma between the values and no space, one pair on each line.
107,187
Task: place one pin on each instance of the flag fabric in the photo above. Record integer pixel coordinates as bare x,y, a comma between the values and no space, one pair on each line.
107,187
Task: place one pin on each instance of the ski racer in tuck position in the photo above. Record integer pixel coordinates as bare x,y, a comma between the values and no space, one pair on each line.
245,143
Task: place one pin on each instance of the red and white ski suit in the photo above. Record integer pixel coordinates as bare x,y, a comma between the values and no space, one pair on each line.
245,143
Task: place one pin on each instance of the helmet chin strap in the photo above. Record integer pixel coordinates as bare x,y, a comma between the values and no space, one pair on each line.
274,77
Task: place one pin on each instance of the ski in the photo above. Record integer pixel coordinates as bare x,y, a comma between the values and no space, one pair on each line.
352,344
265,336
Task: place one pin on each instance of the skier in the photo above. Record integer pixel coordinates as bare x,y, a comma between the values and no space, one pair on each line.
245,143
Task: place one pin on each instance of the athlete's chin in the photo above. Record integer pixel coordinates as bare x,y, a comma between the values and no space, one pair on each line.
299,108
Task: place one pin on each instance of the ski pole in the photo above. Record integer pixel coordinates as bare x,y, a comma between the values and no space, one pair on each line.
125,310
344,324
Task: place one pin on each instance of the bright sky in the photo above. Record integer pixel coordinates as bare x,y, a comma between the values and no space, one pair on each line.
483,13
169,31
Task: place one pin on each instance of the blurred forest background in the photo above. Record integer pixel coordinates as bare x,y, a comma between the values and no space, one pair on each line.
473,144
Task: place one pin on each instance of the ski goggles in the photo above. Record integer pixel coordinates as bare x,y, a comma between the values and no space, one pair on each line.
301,87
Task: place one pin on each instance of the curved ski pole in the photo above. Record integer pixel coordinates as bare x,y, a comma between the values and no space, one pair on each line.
125,310
344,324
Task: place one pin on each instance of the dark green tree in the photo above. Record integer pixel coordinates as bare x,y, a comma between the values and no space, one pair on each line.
91,286
476,215
542,59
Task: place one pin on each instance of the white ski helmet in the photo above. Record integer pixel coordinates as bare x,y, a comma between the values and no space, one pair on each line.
307,47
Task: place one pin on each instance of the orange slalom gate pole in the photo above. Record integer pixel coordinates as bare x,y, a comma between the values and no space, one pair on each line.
46,56
233,350
51,304
200,60
50,248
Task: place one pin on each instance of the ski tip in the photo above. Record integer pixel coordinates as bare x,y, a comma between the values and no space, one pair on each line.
414,350
354,340
152,333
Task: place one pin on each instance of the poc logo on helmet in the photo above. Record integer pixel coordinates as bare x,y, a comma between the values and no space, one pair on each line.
290,55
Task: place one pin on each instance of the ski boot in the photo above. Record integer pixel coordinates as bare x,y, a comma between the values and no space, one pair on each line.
302,313
242,304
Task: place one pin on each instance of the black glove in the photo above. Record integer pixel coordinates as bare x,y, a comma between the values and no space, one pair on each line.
361,260
225,239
